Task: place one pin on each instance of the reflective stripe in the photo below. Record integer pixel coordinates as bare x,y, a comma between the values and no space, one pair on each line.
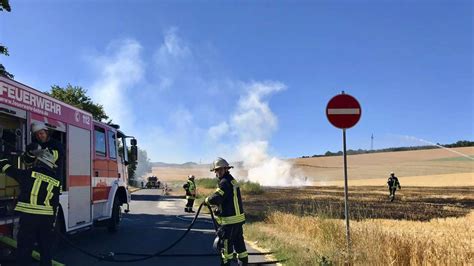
31,206
50,194
190,197
226,256
231,219
223,252
191,187
34,192
6,167
45,178
242,254
236,200
55,155
33,209
220,191
37,185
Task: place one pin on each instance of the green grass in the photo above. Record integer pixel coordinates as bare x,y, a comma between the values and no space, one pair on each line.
250,188
292,255
246,187
455,159
206,182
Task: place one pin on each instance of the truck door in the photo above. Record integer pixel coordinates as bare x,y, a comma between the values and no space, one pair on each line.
79,172
12,140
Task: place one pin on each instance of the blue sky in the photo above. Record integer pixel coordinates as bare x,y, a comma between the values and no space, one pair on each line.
196,79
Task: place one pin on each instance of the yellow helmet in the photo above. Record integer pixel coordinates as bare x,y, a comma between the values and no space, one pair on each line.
220,163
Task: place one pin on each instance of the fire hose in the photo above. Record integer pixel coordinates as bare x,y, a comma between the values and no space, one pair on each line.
111,256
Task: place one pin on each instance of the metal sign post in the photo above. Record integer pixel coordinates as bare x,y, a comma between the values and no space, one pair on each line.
343,111
346,194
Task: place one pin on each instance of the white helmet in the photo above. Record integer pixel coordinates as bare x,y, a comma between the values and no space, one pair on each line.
37,126
47,158
392,173
190,176
220,163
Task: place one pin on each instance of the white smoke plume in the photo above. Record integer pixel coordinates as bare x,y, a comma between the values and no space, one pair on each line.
253,123
120,68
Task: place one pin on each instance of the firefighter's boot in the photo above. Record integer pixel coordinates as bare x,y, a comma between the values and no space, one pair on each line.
244,261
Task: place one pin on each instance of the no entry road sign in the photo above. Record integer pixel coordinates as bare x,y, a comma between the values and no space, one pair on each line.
343,111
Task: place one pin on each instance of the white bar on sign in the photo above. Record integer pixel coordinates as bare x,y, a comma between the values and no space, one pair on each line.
344,111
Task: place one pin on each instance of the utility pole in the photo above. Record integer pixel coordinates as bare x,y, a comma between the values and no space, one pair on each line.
372,142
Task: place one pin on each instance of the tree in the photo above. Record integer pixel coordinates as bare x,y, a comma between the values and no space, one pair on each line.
4,5
132,167
77,96
139,168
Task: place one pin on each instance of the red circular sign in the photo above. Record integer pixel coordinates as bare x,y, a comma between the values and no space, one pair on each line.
343,111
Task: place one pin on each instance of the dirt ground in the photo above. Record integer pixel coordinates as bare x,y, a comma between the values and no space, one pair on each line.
452,180
411,203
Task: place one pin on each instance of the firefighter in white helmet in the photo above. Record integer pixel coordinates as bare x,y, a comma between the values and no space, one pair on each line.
230,214
42,136
393,184
37,203
190,188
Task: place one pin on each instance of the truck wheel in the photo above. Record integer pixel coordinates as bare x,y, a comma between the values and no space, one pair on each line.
114,221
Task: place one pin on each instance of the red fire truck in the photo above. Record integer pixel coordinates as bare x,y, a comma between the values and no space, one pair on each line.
95,176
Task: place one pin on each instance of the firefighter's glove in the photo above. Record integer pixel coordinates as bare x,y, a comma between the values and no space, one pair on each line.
33,149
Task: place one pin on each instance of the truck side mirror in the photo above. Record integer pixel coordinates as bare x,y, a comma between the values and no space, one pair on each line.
134,153
133,142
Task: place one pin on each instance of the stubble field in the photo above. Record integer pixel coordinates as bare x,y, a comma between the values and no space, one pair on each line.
430,221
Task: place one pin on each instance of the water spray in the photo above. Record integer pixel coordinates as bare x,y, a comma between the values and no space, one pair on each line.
439,146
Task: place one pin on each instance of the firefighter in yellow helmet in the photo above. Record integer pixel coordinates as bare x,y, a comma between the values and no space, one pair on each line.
190,188
37,202
229,214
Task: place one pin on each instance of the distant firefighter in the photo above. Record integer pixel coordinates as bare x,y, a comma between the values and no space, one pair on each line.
393,184
190,188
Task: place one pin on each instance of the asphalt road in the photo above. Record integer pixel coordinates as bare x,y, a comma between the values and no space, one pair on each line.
153,223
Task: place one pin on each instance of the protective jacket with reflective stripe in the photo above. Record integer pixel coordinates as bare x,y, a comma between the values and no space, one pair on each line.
393,182
39,188
227,197
190,188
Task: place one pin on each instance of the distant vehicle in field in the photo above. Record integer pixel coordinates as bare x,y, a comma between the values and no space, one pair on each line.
153,182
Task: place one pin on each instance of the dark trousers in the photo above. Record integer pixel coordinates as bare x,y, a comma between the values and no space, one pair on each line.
233,240
35,228
392,192
189,205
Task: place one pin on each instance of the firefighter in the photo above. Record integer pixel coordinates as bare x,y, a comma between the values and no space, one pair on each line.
37,203
393,183
190,188
229,214
43,138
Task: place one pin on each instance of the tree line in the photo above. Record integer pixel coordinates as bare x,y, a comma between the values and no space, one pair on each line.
458,144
